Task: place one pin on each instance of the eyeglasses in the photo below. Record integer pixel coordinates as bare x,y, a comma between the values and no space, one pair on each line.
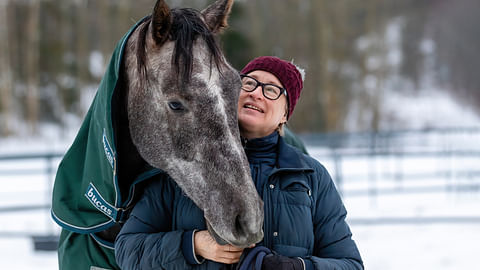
270,91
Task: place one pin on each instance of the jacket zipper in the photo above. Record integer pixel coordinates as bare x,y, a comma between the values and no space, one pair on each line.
268,214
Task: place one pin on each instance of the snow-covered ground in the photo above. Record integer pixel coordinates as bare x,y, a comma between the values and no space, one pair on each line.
411,244
435,246
426,222
383,247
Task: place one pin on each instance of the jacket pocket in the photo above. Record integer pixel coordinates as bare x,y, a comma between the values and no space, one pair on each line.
296,190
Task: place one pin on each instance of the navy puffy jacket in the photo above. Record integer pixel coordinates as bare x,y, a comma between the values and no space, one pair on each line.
304,217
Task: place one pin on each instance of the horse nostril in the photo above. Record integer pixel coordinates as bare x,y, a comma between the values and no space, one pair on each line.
239,226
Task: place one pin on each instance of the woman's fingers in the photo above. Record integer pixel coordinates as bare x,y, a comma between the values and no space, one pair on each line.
230,257
231,254
230,248
206,247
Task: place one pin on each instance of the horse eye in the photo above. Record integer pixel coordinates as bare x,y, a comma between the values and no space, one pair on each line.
176,106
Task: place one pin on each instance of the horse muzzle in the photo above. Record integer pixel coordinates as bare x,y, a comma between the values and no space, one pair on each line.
243,239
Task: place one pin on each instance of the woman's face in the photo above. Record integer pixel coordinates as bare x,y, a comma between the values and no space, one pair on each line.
257,115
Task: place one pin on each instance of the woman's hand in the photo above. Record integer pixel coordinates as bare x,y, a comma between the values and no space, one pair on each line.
209,249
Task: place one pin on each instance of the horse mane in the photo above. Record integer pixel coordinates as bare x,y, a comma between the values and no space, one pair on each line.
187,26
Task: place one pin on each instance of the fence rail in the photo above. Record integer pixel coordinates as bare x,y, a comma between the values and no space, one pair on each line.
388,165
408,164
17,166
44,156
384,156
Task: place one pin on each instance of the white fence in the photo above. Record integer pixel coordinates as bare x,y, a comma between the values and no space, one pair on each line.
413,198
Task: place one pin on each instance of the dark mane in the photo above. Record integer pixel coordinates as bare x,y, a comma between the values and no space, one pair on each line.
186,28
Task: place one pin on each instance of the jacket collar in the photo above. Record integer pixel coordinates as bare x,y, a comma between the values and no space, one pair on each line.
289,158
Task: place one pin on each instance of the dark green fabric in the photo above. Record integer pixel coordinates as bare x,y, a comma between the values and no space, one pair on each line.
81,251
90,164
293,140
86,196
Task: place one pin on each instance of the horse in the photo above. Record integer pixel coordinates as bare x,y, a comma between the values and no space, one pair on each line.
173,107
180,115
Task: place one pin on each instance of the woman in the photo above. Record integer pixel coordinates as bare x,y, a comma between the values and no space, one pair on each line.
304,216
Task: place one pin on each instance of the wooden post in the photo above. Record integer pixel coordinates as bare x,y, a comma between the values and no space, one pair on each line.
32,32
6,74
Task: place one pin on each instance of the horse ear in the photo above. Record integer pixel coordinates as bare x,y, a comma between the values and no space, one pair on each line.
216,15
161,22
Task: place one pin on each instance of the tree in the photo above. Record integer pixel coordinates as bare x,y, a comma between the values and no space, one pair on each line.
32,65
6,80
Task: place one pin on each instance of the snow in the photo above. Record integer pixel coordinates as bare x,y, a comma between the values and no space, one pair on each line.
421,220
402,215
408,242
395,100
18,253
437,246
426,108
96,64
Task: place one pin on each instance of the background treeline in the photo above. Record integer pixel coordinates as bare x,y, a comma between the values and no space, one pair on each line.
53,53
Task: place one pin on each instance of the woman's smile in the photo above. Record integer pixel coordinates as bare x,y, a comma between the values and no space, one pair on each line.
251,106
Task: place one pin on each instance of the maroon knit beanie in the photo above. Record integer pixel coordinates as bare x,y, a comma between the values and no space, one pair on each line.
286,72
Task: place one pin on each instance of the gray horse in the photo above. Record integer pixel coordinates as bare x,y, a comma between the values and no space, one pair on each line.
168,100
183,118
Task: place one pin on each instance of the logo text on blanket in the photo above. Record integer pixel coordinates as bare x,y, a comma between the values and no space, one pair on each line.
108,150
94,197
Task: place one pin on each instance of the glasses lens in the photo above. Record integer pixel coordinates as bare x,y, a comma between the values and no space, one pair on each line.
248,84
272,91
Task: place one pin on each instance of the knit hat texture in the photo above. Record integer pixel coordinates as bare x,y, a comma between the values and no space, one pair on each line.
286,72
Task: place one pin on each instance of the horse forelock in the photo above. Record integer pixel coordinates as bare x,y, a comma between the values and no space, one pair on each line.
187,27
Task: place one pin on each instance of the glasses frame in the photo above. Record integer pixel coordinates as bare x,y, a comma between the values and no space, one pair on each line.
282,90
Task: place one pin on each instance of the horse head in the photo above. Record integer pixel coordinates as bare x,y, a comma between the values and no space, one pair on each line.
182,116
